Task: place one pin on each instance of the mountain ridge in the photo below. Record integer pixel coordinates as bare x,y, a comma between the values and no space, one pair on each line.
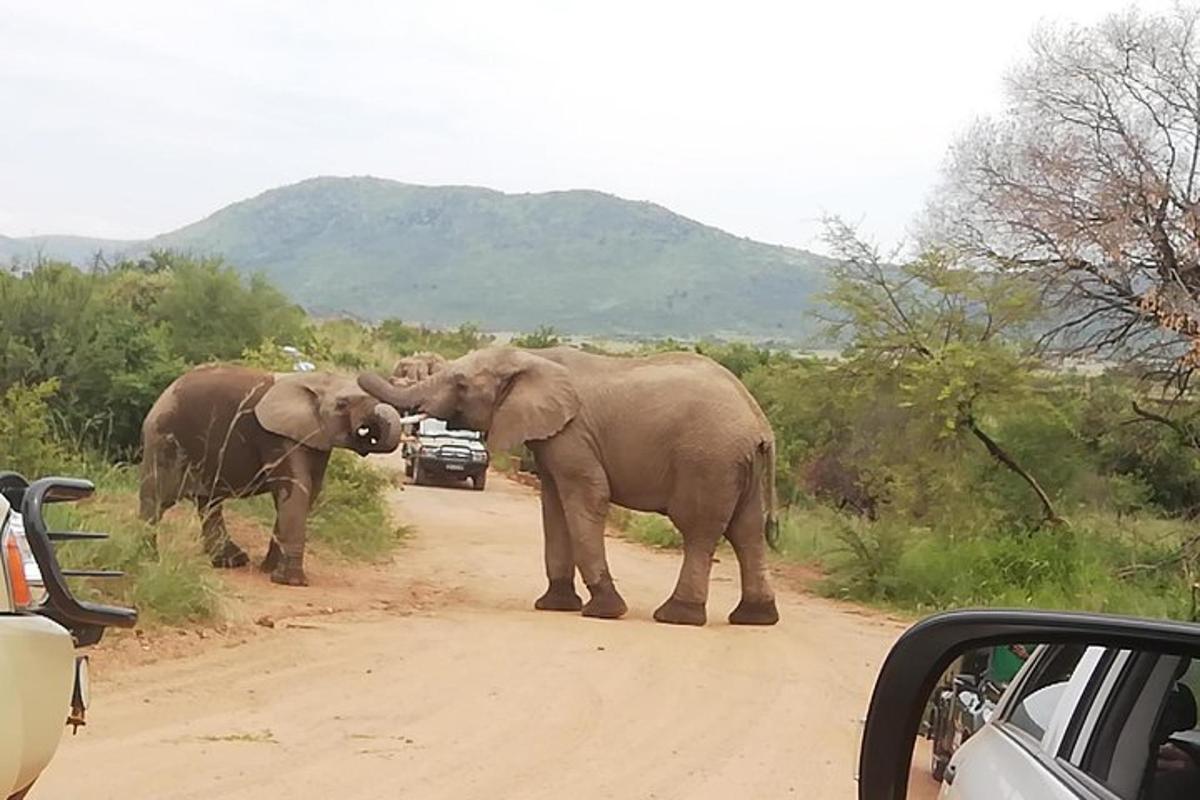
582,260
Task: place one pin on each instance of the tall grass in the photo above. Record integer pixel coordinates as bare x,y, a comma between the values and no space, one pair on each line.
173,585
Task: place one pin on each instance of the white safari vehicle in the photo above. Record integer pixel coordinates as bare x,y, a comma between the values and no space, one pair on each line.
43,678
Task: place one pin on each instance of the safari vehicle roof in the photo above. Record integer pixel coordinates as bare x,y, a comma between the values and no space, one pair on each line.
433,427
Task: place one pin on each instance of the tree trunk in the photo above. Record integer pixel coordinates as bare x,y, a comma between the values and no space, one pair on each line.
1048,513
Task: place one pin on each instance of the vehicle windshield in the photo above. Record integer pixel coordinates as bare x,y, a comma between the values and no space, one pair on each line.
436,427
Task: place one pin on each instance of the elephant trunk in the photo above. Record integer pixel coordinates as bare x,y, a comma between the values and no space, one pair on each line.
402,398
385,427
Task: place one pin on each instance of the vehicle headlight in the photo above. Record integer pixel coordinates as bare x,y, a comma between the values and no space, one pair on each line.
24,575
479,455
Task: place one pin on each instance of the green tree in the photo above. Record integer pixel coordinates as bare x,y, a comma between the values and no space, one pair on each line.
949,335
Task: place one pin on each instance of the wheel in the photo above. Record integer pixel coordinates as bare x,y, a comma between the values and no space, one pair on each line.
417,477
941,746
479,481
938,768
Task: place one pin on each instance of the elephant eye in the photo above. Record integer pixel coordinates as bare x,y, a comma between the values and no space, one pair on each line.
342,403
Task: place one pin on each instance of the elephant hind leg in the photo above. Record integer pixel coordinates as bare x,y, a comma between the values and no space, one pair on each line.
701,530
220,548
746,534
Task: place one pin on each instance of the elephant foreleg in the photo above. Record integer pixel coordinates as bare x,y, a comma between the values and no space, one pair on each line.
560,558
585,507
220,548
274,552
291,522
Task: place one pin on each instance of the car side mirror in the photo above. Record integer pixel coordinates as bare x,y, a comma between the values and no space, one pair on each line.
1099,692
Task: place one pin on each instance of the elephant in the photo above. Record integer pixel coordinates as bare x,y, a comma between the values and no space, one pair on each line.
220,432
674,433
415,368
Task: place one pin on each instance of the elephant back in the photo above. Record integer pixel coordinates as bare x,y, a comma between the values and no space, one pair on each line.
207,416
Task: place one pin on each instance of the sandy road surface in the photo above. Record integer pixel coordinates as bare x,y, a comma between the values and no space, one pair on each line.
465,692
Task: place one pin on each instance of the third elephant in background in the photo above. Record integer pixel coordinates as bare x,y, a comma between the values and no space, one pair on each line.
674,433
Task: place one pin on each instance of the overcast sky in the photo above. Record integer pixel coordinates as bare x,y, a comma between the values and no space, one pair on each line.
130,119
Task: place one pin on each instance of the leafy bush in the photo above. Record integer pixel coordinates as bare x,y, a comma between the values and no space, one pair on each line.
25,435
542,337
351,514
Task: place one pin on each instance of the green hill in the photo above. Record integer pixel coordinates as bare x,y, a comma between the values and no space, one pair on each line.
582,261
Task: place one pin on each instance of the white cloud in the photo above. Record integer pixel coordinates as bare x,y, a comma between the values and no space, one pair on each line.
134,118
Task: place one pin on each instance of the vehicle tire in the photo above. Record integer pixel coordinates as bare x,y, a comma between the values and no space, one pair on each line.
479,481
940,737
938,768
417,478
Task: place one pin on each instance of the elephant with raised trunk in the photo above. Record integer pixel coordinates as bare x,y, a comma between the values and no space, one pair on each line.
220,432
674,433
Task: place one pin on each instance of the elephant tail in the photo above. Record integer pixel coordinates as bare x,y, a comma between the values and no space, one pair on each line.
766,475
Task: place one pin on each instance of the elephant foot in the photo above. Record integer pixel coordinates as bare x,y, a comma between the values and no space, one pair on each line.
681,612
755,612
230,557
560,596
289,575
606,602
270,562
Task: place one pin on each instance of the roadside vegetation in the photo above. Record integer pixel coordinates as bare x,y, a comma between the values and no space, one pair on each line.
84,355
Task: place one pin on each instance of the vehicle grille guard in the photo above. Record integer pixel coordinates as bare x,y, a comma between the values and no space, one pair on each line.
86,621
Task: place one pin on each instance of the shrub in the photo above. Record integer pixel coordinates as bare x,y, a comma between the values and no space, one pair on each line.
172,586
26,443
351,514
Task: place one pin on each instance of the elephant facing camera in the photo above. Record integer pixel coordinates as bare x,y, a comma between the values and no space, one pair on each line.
222,432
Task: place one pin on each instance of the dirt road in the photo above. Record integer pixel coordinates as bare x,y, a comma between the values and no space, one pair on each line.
455,688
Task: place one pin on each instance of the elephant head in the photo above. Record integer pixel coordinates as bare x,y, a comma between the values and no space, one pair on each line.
511,395
324,411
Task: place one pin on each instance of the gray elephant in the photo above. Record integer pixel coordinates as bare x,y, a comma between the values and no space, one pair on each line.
675,434
415,368
219,432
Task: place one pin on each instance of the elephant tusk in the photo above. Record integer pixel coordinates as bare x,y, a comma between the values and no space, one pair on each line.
411,418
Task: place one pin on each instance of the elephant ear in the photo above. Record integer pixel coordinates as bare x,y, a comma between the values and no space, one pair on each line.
536,401
299,406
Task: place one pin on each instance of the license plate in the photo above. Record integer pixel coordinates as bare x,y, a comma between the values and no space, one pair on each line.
454,467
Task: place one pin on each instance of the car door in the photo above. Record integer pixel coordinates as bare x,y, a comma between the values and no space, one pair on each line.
1013,756
1110,730
37,659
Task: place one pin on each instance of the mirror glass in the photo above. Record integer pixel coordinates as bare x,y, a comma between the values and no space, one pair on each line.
1022,720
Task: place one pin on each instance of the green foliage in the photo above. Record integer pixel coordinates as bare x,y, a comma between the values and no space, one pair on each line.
114,339
267,355
26,441
651,529
213,314
542,337
351,515
405,340
172,586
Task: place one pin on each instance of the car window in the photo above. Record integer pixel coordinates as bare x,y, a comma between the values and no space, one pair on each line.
1145,743
1037,698
432,427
